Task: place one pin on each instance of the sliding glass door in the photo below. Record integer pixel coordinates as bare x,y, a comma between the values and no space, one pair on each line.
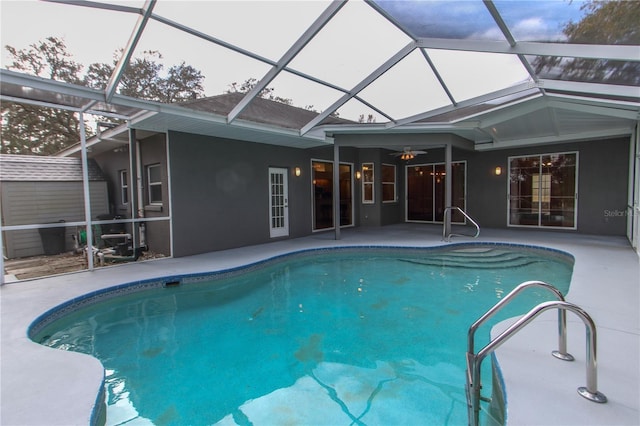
543,190
426,191
322,181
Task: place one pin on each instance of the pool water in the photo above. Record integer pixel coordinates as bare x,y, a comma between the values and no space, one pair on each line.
335,337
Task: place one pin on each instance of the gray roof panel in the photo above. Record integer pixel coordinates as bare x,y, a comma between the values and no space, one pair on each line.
31,168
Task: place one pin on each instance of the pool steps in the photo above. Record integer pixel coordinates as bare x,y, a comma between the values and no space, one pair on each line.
474,360
485,259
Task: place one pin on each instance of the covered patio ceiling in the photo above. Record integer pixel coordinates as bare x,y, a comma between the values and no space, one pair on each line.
497,73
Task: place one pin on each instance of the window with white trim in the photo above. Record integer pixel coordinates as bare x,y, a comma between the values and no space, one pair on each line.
124,187
388,183
154,184
367,183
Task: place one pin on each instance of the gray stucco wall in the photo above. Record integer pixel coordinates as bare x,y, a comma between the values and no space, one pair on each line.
219,187
220,191
111,163
603,172
152,151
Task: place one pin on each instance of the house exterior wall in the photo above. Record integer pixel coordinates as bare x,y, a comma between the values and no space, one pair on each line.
379,213
25,203
603,170
386,213
220,191
111,163
153,150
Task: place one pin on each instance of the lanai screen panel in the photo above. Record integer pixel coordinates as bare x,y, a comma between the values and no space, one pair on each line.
90,35
344,66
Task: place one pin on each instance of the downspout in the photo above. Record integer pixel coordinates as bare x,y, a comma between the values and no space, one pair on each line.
142,242
133,185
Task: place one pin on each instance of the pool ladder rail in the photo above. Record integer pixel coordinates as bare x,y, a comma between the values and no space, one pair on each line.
446,231
474,360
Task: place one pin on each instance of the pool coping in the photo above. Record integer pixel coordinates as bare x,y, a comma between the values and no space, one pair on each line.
34,372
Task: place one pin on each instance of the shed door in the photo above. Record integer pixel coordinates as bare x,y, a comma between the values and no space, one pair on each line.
278,202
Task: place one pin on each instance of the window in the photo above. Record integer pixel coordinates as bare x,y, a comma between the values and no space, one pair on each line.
542,190
388,183
367,183
154,184
124,187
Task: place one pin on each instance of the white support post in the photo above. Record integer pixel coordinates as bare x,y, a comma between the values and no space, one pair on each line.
336,189
1,249
633,224
85,187
447,187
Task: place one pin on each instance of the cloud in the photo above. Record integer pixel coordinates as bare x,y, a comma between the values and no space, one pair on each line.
535,28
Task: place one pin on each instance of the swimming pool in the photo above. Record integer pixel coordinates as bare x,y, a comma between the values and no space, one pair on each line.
341,336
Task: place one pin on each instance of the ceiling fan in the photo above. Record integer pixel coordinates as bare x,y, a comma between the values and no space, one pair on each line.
407,153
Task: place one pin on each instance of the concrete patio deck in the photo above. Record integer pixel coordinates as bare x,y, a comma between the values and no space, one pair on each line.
41,386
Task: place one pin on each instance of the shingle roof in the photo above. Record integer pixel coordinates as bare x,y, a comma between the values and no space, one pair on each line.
261,110
36,168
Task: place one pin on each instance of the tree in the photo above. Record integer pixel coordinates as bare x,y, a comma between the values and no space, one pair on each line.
370,118
143,79
604,22
266,93
28,129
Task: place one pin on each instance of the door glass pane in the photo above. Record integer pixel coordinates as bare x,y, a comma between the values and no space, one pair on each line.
426,192
542,190
439,191
524,191
420,193
559,178
346,216
323,195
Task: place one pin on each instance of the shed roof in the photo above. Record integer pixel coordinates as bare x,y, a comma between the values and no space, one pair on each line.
31,168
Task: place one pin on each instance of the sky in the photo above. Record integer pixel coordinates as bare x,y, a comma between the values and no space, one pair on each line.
356,41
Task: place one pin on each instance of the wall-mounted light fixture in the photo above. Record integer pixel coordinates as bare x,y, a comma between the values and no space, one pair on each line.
297,171
498,171
358,174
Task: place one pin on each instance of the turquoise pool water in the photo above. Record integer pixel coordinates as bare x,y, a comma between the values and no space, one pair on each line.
336,337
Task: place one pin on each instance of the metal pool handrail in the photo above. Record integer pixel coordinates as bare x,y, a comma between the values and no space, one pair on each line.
561,353
446,237
474,361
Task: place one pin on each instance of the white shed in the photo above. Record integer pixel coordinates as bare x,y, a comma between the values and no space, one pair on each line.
42,190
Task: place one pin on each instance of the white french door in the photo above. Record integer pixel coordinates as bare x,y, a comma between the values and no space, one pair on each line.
278,202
